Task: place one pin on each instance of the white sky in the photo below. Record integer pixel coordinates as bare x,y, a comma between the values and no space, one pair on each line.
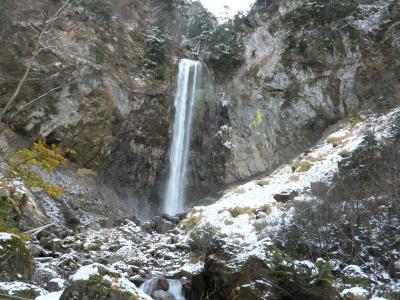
217,6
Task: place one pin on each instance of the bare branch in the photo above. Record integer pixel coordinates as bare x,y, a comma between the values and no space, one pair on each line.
33,101
47,23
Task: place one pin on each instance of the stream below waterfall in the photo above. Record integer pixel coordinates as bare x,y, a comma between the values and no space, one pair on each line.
175,288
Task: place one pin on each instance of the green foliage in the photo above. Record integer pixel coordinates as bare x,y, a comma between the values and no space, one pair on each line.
323,11
155,57
201,237
42,158
156,49
380,83
7,214
101,52
291,282
226,48
259,119
170,4
11,211
201,26
359,165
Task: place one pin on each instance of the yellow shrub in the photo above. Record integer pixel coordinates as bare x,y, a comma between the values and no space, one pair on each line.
260,118
42,157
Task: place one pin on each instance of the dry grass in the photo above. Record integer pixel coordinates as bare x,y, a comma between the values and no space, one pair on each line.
263,182
301,166
237,211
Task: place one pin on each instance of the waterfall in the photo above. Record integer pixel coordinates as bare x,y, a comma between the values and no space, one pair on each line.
185,99
175,288
149,286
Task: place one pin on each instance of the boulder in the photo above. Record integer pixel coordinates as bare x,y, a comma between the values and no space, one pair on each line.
71,218
16,261
226,277
97,282
161,224
55,285
155,284
42,275
285,196
355,293
21,289
137,280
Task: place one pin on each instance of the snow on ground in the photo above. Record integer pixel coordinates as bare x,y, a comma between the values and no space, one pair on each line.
5,236
251,206
14,287
85,272
355,291
51,296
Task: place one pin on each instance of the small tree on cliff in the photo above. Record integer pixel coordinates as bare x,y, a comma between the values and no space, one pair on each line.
226,47
43,42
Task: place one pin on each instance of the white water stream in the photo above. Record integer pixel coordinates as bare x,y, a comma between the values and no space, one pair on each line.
185,100
175,287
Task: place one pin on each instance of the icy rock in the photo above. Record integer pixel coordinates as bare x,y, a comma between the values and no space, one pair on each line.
87,262
163,226
43,275
55,285
21,289
93,246
285,196
36,250
53,245
137,280
97,282
355,293
354,272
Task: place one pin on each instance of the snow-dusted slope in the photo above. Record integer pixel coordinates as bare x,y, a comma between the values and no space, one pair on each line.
248,212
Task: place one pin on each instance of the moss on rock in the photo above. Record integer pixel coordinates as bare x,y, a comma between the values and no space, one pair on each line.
97,282
16,262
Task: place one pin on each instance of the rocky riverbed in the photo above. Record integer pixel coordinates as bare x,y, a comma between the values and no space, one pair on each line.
56,259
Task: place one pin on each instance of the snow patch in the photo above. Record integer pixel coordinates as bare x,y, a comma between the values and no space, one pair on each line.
51,296
6,236
85,272
355,291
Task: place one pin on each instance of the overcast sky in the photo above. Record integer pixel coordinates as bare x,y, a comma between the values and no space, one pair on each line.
217,6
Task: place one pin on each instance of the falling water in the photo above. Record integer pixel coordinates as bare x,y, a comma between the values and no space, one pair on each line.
185,99
175,287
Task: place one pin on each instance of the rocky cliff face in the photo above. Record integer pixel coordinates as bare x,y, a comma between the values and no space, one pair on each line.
108,101
304,69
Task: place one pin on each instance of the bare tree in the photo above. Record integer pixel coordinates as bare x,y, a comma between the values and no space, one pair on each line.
41,44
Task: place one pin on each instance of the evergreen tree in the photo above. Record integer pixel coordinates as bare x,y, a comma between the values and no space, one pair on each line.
226,47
